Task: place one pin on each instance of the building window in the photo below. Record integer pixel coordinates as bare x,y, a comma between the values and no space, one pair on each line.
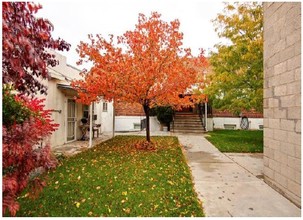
86,110
104,106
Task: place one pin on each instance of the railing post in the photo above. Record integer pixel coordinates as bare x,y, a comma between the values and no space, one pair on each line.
90,125
174,122
205,125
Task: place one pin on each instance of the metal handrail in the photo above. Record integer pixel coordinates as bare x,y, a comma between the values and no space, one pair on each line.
173,122
201,115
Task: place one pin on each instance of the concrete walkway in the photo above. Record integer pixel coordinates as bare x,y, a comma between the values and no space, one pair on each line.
75,147
227,188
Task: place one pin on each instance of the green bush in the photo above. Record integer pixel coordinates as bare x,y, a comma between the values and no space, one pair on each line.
13,111
164,115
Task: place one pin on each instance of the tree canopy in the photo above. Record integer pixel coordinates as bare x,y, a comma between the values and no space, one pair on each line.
25,39
147,66
236,75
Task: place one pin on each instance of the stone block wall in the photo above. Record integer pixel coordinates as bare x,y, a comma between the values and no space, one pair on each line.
282,98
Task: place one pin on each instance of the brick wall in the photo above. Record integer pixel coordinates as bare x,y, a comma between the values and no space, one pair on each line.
227,114
282,98
128,109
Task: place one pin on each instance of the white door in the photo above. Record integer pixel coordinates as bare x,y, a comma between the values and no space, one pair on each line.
71,120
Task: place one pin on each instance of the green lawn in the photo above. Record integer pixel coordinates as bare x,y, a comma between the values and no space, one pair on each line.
115,179
239,141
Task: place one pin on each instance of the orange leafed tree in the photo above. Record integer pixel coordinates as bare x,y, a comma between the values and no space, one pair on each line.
145,66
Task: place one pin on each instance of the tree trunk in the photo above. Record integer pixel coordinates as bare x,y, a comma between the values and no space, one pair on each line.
146,110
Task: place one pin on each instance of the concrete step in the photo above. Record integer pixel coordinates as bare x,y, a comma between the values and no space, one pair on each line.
187,116
200,125
187,122
186,113
187,119
189,128
189,131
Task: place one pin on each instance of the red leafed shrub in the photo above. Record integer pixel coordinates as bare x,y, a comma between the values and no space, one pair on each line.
26,126
25,149
25,39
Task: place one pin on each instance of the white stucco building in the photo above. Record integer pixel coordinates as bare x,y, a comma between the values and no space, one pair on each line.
66,111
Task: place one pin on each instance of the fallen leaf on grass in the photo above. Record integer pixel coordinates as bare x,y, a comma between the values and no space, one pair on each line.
170,182
127,210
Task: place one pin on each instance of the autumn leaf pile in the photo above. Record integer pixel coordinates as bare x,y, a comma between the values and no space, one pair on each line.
117,179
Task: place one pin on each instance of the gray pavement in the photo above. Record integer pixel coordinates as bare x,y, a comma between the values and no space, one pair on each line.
230,184
75,147
252,162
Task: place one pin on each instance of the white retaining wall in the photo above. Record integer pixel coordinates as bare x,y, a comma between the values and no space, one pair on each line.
254,123
126,123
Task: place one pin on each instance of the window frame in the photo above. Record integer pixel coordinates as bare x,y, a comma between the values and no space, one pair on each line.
104,107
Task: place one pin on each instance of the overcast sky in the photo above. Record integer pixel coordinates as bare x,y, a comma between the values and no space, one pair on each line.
74,20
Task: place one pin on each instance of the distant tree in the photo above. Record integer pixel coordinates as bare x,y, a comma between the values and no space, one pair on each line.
25,39
145,66
236,77
26,125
